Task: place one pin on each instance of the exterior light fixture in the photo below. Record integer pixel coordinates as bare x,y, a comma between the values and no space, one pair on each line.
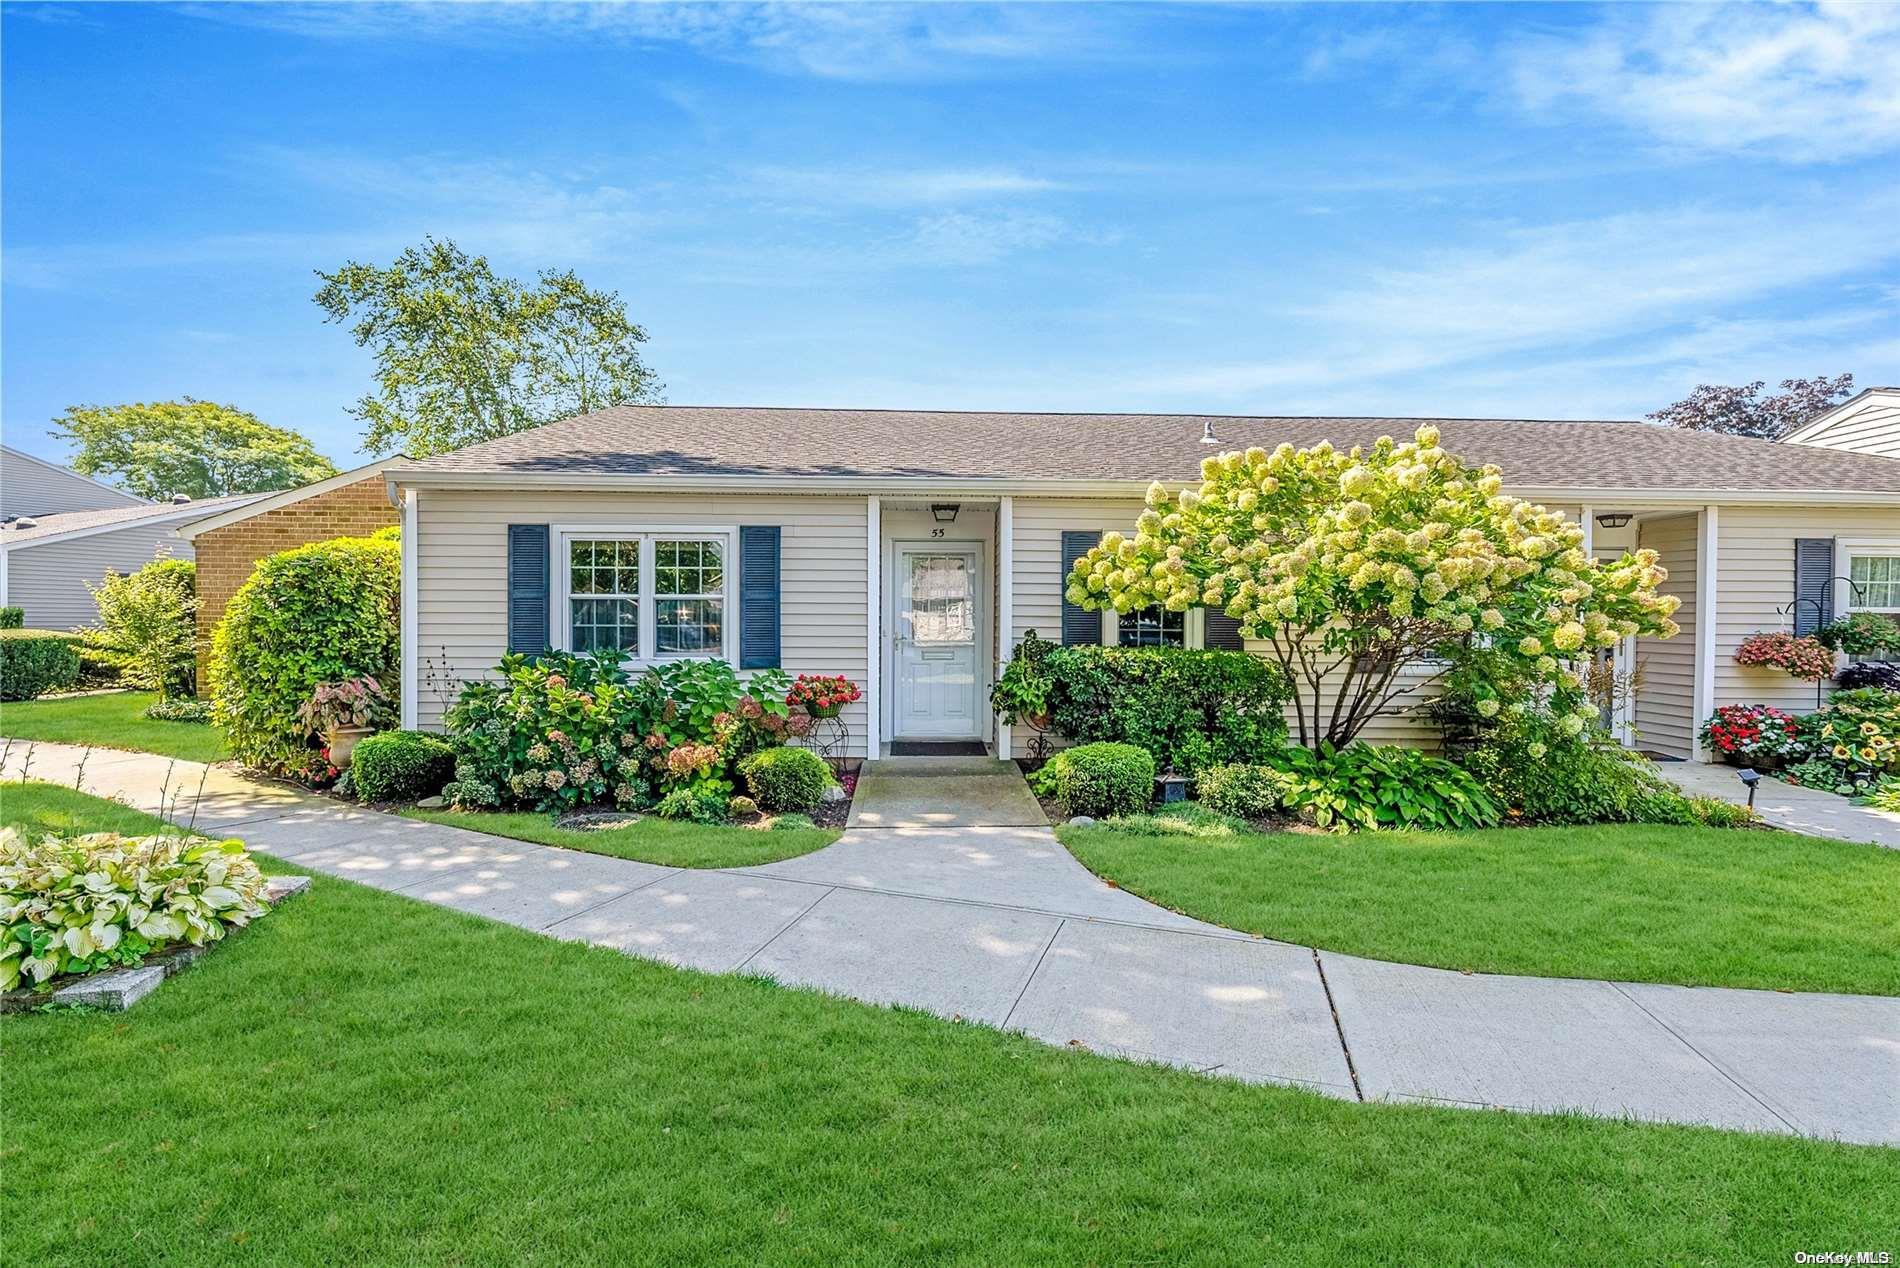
1614,519
1207,432
945,512
1749,777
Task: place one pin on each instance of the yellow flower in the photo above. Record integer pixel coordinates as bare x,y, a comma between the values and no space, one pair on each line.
1840,751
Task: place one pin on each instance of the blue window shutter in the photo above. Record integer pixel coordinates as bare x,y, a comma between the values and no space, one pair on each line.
1221,633
1079,625
528,588
1813,583
758,596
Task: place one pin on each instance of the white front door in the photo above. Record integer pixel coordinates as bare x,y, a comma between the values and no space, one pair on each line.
937,625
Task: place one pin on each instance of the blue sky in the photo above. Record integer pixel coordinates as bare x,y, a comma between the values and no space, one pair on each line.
1535,211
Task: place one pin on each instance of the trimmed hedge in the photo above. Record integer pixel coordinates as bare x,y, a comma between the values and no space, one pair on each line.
12,618
1190,709
401,766
1101,780
34,662
786,778
319,613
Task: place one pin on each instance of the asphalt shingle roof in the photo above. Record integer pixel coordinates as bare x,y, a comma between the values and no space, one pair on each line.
933,444
68,521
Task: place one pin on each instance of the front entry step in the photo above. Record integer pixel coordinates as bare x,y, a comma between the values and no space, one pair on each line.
942,792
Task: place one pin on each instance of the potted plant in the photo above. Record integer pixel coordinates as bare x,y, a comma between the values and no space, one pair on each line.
1753,735
343,713
1798,656
1022,692
1868,634
821,695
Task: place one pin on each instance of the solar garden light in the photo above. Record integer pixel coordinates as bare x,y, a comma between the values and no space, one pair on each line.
1750,777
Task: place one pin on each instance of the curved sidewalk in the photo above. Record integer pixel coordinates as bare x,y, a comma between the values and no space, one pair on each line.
997,923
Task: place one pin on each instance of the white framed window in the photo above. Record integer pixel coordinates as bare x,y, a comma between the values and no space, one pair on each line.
1154,627
1875,581
662,593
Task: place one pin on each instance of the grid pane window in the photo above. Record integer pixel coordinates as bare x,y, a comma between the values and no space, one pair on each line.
689,578
1876,581
1152,627
604,596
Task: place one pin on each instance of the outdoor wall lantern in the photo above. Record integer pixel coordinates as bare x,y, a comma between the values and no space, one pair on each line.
1614,519
945,512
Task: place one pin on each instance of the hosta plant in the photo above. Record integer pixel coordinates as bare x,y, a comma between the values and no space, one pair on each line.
79,904
1797,656
1353,567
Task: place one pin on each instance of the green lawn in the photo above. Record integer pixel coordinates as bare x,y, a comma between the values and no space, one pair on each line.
652,840
1696,906
362,1078
112,721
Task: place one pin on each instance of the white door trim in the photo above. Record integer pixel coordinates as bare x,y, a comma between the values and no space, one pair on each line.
894,551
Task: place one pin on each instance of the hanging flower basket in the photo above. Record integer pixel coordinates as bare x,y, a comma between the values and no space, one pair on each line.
1797,656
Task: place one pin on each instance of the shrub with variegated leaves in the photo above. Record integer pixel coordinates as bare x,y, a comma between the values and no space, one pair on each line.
1355,566
79,904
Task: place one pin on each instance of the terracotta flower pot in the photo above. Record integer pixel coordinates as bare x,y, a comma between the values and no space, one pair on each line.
343,742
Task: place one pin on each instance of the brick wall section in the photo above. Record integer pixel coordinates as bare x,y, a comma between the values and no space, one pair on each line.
227,555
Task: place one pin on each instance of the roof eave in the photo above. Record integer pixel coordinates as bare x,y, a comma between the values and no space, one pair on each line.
932,486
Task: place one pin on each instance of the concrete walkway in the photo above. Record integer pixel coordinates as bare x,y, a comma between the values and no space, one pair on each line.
996,923
1818,814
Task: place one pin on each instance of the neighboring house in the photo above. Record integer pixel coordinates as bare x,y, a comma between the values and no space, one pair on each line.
47,561
230,542
911,550
1869,423
34,486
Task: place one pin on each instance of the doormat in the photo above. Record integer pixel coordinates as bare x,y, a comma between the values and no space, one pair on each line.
938,748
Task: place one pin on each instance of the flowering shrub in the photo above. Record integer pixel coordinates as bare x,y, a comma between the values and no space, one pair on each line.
1370,561
1798,657
565,730
1536,767
86,903
821,695
1753,733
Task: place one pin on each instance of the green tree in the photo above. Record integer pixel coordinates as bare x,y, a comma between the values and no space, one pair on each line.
1354,566
464,356
149,625
187,446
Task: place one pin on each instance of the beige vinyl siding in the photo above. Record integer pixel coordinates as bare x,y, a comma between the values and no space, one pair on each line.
49,580
29,487
1666,704
1042,572
1755,560
462,576
1874,429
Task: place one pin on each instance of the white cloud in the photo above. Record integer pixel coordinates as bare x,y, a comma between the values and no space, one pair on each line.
1808,83
868,41
897,187
963,238
1650,291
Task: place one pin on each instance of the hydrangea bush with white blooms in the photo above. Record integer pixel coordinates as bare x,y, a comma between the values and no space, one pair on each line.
1354,566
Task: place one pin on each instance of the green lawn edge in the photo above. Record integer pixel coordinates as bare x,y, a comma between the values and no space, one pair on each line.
1641,903
665,842
359,1077
111,721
